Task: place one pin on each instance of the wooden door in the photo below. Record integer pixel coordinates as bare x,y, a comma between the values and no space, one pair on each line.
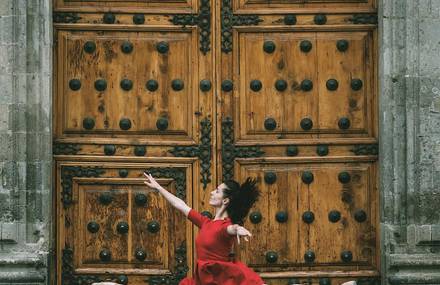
200,91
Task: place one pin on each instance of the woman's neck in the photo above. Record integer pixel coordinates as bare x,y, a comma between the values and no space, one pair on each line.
220,213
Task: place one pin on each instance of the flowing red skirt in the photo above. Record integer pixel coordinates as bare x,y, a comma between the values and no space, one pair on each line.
222,273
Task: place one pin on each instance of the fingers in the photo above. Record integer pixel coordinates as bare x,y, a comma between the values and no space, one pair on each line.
238,238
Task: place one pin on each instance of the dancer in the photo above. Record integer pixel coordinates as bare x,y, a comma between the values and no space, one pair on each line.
216,237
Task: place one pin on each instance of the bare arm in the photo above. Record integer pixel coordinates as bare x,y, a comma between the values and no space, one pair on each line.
176,202
238,231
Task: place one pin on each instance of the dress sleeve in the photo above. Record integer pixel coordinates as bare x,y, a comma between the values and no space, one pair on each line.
197,218
224,230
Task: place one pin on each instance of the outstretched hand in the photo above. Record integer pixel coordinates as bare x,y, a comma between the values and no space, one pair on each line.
242,232
151,182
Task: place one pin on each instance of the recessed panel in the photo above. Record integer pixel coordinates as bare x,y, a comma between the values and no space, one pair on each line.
130,5
126,84
305,84
306,5
324,216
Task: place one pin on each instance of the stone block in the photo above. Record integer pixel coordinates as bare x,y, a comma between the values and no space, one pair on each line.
6,30
8,233
6,148
7,84
6,7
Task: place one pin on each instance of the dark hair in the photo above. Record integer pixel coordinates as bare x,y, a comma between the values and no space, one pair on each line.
241,198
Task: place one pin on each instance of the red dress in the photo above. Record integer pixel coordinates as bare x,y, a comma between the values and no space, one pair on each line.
213,245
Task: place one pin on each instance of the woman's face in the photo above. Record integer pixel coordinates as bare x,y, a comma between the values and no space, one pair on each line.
216,198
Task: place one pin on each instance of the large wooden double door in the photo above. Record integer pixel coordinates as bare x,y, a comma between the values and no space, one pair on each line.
200,91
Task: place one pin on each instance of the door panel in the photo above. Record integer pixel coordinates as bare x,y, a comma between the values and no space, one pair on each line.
106,94
113,227
304,77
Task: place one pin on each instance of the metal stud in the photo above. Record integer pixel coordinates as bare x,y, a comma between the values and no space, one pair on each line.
325,281
280,85
140,255
153,227
109,18
305,46
334,216
105,255
344,177
205,85
207,214
309,256
255,85
109,149
342,45
122,227
162,47
100,85
290,19
270,177
344,123
75,84
307,177
306,124
138,19
122,279
320,19
281,216
105,198
88,123
177,84
356,84
271,256
93,227
152,85
162,124
269,46
346,256
123,173
227,85
140,150
140,199
360,216
255,217
89,47
126,84
308,217
127,47
270,124
125,124
332,84
322,150
306,85
292,150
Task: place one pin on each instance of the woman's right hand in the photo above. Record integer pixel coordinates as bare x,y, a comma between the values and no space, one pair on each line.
151,182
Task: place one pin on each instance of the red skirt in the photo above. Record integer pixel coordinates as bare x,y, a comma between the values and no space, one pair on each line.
216,272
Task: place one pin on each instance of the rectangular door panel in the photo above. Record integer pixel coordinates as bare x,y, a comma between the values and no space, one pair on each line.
301,85
111,225
127,84
318,216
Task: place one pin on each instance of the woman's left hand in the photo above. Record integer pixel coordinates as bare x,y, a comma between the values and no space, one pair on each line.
241,231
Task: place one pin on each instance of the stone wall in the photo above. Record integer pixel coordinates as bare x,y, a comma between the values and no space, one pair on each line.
409,91
25,141
410,140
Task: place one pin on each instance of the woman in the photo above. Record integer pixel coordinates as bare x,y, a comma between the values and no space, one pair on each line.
214,242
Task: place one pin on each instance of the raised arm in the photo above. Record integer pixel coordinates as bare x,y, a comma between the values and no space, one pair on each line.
176,202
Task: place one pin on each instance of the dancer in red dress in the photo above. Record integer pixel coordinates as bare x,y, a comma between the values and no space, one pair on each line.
216,237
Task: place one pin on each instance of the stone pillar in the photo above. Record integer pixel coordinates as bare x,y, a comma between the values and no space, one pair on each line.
409,80
25,141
